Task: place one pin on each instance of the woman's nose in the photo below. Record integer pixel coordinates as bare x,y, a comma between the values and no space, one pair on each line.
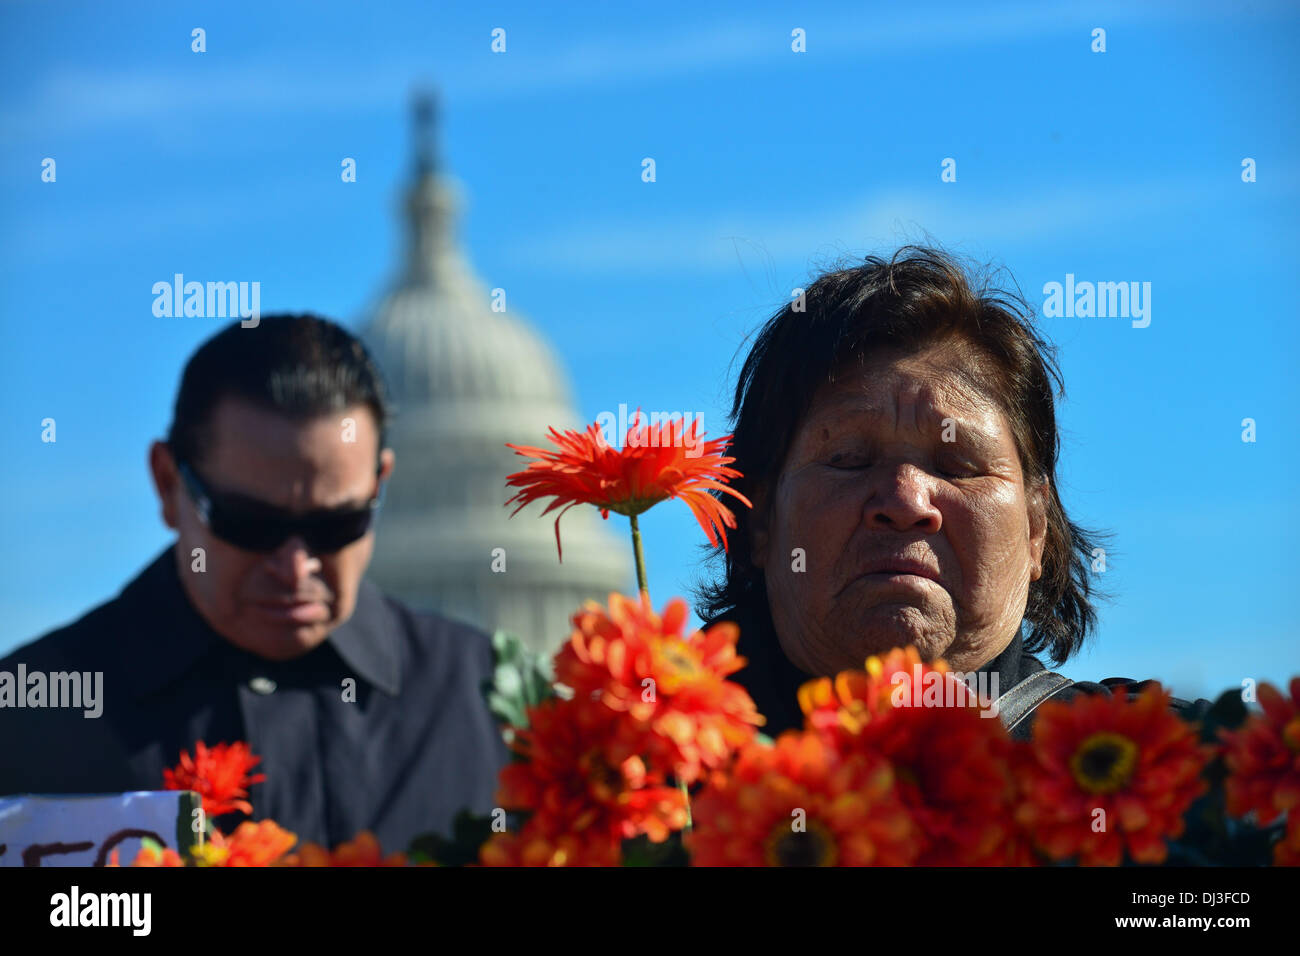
899,497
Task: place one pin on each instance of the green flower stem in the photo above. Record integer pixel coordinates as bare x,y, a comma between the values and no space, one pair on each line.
640,557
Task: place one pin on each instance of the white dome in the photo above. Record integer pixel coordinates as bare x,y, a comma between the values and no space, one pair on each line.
435,333
465,380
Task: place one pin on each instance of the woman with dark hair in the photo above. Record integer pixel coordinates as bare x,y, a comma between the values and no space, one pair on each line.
896,428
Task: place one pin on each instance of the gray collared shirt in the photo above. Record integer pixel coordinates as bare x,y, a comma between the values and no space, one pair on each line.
414,743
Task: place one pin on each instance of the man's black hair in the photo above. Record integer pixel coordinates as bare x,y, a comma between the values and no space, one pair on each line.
301,366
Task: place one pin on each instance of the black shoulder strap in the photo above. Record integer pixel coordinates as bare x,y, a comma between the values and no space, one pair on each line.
1020,701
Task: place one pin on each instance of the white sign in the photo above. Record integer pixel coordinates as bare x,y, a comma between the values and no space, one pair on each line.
84,830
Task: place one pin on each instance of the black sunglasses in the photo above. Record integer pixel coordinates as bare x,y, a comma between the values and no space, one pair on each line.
262,528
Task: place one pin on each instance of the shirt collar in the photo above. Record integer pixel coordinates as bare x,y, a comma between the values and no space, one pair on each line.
165,636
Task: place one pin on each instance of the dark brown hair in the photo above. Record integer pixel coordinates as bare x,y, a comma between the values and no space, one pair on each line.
921,297
302,366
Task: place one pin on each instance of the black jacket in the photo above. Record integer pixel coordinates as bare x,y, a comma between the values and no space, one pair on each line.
416,745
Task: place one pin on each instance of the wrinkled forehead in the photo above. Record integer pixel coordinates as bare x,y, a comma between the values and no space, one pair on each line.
917,390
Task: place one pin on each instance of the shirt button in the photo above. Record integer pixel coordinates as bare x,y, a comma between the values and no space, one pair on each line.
262,685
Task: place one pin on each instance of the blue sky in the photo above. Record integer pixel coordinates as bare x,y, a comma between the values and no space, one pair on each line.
1115,166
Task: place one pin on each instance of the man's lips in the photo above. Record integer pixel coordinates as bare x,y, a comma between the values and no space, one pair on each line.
302,610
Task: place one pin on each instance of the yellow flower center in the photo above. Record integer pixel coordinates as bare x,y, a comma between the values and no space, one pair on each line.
813,846
680,667
208,855
680,661
1104,762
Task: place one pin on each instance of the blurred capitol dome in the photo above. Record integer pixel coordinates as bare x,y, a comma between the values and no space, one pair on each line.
465,380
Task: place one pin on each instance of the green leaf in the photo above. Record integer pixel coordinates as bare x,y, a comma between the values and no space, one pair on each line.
521,678
186,838
468,833
641,852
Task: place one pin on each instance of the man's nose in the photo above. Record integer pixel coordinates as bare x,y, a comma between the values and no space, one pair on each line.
292,562
899,498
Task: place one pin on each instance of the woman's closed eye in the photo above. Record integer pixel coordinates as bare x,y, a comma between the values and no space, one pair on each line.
946,461
854,461
847,460
957,468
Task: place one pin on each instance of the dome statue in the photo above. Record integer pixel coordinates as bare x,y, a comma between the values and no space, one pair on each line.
465,379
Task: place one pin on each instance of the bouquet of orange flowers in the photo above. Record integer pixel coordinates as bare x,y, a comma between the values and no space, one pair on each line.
652,755
221,776
635,748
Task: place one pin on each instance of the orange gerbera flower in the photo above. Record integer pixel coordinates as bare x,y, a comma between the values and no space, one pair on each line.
150,854
362,850
639,663
1263,757
218,774
1104,775
657,462
951,763
954,777
252,844
534,845
843,706
584,774
801,803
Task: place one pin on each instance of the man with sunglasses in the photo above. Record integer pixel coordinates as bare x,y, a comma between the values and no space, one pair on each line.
256,624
